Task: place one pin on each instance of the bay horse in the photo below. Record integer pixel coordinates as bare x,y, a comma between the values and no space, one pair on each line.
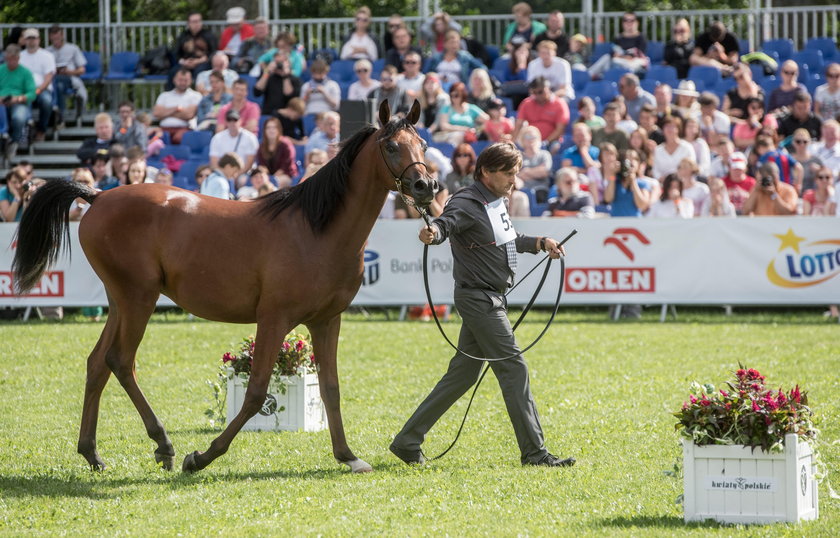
292,257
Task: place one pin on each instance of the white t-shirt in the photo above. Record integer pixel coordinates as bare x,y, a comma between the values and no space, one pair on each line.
698,194
665,163
559,73
172,98
829,102
69,56
203,78
357,92
245,144
40,63
704,155
415,84
357,40
232,47
683,209
449,71
830,157
837,200
317,103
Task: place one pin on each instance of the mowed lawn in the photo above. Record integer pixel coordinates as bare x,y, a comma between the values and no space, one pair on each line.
604,390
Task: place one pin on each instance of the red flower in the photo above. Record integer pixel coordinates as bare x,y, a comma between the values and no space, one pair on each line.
286,346
705,402
227,357
311,357
752,373
755,407
741,373
755,386
728,406
795,395
725,395
299,345
692,398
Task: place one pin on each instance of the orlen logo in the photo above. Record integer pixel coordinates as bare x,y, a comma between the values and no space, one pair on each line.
615,279
371,274
50,285
808,264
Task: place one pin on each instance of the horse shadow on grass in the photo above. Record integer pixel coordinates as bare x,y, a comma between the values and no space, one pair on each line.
660,521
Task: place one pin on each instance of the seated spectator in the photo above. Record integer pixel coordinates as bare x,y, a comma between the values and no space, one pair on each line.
647,120
17,91
201,173
315,160
554,32
291,119
459,121
219,62
607,171
463,168
320,93
434,30
629,50
176,109
801,151
671,203
42,66
668,154
816,201
286,42
717,204
536,162
11,196
101,143
555,69
716,47
610,131
498,127
99,169
225,170
735,101
634,95
787,169
800,117
412,79
586,114
432,100
630,194
827,96
208,107
738,183
582,155
276,153
481,89
544,110
118,163
745,131
248,55
127,130
326,133
70,64
691,134
360,43
79,206
249,112
258,180
402,46
713,122
523,26
664,97
625,122
453,64
693,190
515,73
679,48
360,90
770,196
828,149
234,139
639,141
236,31
277,85
136,172
782,97
389,90
520,204
578,55
686,100
155,134
570,200
395,22
193,49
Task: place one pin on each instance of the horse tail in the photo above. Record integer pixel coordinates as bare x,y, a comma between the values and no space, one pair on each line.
44,228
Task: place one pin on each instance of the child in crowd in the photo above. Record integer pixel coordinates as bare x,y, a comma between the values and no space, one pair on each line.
586,113
499,127
155,134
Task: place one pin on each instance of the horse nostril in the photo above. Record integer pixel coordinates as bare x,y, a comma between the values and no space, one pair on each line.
435,186
419,186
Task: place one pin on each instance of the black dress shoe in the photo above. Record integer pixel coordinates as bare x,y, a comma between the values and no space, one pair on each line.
408,456
550,460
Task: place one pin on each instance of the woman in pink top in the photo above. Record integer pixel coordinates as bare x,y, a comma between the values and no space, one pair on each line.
816,201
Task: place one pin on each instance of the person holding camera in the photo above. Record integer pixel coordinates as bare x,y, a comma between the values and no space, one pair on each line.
770,196
277,84
628,195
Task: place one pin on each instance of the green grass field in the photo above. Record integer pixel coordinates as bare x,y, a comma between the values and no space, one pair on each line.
604,391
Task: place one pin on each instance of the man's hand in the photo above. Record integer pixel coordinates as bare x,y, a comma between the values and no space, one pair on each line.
554,249
427,235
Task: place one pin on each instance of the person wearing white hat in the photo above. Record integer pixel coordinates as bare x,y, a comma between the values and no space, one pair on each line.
738,183
236,32
686,99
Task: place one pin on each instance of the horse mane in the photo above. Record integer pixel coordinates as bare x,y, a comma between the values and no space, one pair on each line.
320,196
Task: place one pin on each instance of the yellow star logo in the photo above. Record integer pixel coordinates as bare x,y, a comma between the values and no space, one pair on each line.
789,239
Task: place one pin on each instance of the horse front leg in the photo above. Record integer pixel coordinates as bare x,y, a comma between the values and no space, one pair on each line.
325,345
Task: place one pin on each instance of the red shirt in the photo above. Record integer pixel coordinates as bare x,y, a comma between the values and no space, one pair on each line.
496,129
247,31
739,192
544,117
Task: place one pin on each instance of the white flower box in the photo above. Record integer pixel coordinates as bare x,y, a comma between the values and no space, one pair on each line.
734,484
300,408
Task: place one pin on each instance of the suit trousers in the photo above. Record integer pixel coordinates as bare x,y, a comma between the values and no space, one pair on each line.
485,332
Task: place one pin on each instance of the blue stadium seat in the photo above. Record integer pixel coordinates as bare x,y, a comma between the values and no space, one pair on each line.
4,122
480,145
705,77
424,134
510,112
599,50
655,51
198,143
263,118
649,85
757,71
726,84
601,90
122,66
185,178
537,207
308,124
744,46
492,53
580,77
813,58
665,74
93,69
342,70
768,85
826,45
444,147
783,47
615,73
180,152
813,82
345,89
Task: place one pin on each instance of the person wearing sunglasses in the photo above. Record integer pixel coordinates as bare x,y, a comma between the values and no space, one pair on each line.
360,89
390,91
800,117
817,201
827,96
802,150
360,43
782,97
398,53
678,49
411,81
395,22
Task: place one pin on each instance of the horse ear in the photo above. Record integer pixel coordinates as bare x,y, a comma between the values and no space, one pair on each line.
414,113
384,112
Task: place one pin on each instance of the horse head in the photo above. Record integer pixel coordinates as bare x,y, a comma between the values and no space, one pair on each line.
403,154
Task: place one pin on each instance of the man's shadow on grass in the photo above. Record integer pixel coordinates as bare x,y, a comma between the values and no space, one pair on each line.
661,521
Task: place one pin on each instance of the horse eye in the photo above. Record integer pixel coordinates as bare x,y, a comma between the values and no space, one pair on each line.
393,147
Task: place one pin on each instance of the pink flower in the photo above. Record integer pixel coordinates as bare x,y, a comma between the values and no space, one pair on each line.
724,393
741,373
770,402
311,357
705,402
795,395
685,406
752,373
227,357
755,407
286,346
692,398
755,386
299,345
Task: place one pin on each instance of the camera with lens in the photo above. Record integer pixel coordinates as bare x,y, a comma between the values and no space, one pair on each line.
766,181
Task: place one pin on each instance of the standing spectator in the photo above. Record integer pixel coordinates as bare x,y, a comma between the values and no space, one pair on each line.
99,144
389,90
128,131
277,153
70,65
787,169
586,114
570,200
554,32
286,42
629,50
634,95
544,110
738,183
671,203
326,134
42,66
691,134
463,168
361,43
434,30
745,131
783,96
735,101
801,151
249,112
412,78
827,96
828,149
277,84
713,122
396,55
320,93
674,149
716,47
718,204
600,176
481,89
816,201
582,155
252,48
499,127
800,117
217,183
679,48
629,194
770,196
536,162
453,64
395,22
236,32
234,139
208,107
17,91
219,62
458,121
176,109
11,196
193,48
360,90
692,189
522,26
432,100
555,69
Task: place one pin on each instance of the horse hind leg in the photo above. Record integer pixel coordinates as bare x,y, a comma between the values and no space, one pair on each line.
97,376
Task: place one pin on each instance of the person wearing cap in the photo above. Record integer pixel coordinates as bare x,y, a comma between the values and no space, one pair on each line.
770,196
234,139
17,91
236,32
176,109
193,48
226,169
738,183
360,43
554,32
679,48
578,54
42,66
252,48
70,64
686,99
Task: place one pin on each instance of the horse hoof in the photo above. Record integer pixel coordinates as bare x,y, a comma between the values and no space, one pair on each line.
190,465
98,466
165,461
358,466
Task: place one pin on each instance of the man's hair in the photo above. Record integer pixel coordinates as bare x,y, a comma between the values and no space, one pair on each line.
801,97
522,7
127,103
547,44
501,156
708,98
769,168
764,142
612,106
630,79
364,9
319,66
390,69
297,104
649,108
539,83
717,30
184,71
218,75
230,159
102,117
54,29
12,49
